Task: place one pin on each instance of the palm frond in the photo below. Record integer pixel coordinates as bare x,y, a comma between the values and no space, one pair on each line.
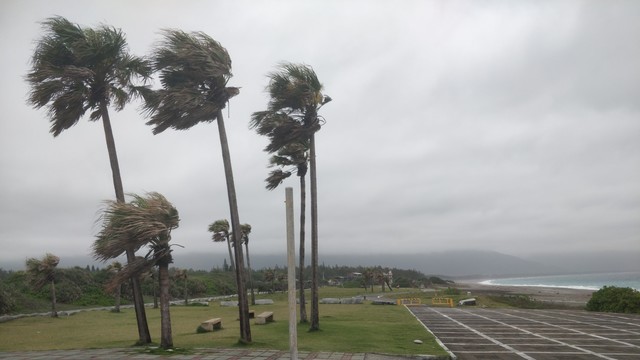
75,69
143,221
275,178
220,230
194,70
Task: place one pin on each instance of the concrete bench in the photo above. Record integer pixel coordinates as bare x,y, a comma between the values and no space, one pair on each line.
211,324
252,314
264,317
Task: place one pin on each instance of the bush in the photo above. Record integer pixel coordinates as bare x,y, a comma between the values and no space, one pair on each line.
451,291
615,299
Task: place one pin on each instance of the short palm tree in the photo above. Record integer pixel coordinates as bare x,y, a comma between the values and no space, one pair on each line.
182,274
219,230
246,230
292,117
145,221
75,70
42,272
194,70
114,268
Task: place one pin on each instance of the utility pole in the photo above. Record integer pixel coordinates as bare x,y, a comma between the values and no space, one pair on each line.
291,267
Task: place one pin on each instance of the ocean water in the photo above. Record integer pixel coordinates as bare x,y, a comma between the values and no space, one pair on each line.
575,281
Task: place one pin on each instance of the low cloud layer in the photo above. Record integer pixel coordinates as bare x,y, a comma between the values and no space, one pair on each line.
470,125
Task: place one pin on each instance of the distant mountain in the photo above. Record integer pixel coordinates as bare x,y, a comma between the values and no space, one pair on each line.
477,263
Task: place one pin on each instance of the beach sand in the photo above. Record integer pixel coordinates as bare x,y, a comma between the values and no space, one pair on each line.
568,297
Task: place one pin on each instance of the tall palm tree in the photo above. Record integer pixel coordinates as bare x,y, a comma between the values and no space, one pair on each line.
294,158
42,272
246,230
292,117
194,71
145,221
219,230
75,70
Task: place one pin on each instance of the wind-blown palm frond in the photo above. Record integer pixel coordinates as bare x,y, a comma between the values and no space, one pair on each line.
143,221
42,271
194,71
76,69
246,230
219,230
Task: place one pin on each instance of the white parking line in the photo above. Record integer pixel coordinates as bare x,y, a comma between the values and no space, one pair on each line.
578,331
600,315
587,351
512,350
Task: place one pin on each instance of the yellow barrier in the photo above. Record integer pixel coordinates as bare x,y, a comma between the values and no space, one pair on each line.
409,301
442,301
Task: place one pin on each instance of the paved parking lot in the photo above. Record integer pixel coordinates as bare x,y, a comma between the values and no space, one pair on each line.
476,333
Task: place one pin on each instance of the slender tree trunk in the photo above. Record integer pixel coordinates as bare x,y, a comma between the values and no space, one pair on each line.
166,340
315,313
233,265
243,308
303,205
155,281
138,301
116,307
253,295
186,289
54,312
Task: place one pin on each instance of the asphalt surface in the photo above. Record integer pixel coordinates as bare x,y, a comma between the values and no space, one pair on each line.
471,333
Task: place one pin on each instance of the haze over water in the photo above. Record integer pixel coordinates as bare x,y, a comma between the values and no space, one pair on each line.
574,281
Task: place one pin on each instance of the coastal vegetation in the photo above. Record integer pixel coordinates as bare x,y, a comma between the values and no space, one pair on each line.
84,287
615,299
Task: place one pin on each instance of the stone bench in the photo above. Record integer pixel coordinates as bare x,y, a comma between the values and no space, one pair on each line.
211,324
264,317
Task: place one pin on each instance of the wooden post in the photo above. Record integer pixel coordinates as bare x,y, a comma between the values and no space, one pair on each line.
291,277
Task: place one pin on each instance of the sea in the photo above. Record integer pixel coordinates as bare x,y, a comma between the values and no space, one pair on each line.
574,281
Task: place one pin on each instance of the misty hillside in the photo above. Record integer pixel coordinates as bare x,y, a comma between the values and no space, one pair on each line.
448,263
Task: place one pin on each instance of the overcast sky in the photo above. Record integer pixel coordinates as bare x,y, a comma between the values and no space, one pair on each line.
499,125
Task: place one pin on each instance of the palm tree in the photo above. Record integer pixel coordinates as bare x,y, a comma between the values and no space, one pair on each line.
114,268
145,221
294,157
77,69
219,230
246,230
270,277
181,274
194,71
42,272
292,117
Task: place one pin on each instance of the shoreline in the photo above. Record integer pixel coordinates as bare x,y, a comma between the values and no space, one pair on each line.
566,296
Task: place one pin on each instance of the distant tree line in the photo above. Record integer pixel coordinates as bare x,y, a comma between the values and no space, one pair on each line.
78,287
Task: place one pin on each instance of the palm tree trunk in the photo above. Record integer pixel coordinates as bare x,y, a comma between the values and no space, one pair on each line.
303,205
166,340
186,289
154,288
116,307
253,295
233,266
315,314
138,301
243,308
54,313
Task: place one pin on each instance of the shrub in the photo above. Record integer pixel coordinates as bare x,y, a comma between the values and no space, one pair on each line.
451,291
615,299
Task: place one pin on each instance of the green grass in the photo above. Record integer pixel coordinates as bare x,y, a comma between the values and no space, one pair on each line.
344,328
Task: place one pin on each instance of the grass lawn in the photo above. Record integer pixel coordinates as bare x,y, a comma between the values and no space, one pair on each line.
345,328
